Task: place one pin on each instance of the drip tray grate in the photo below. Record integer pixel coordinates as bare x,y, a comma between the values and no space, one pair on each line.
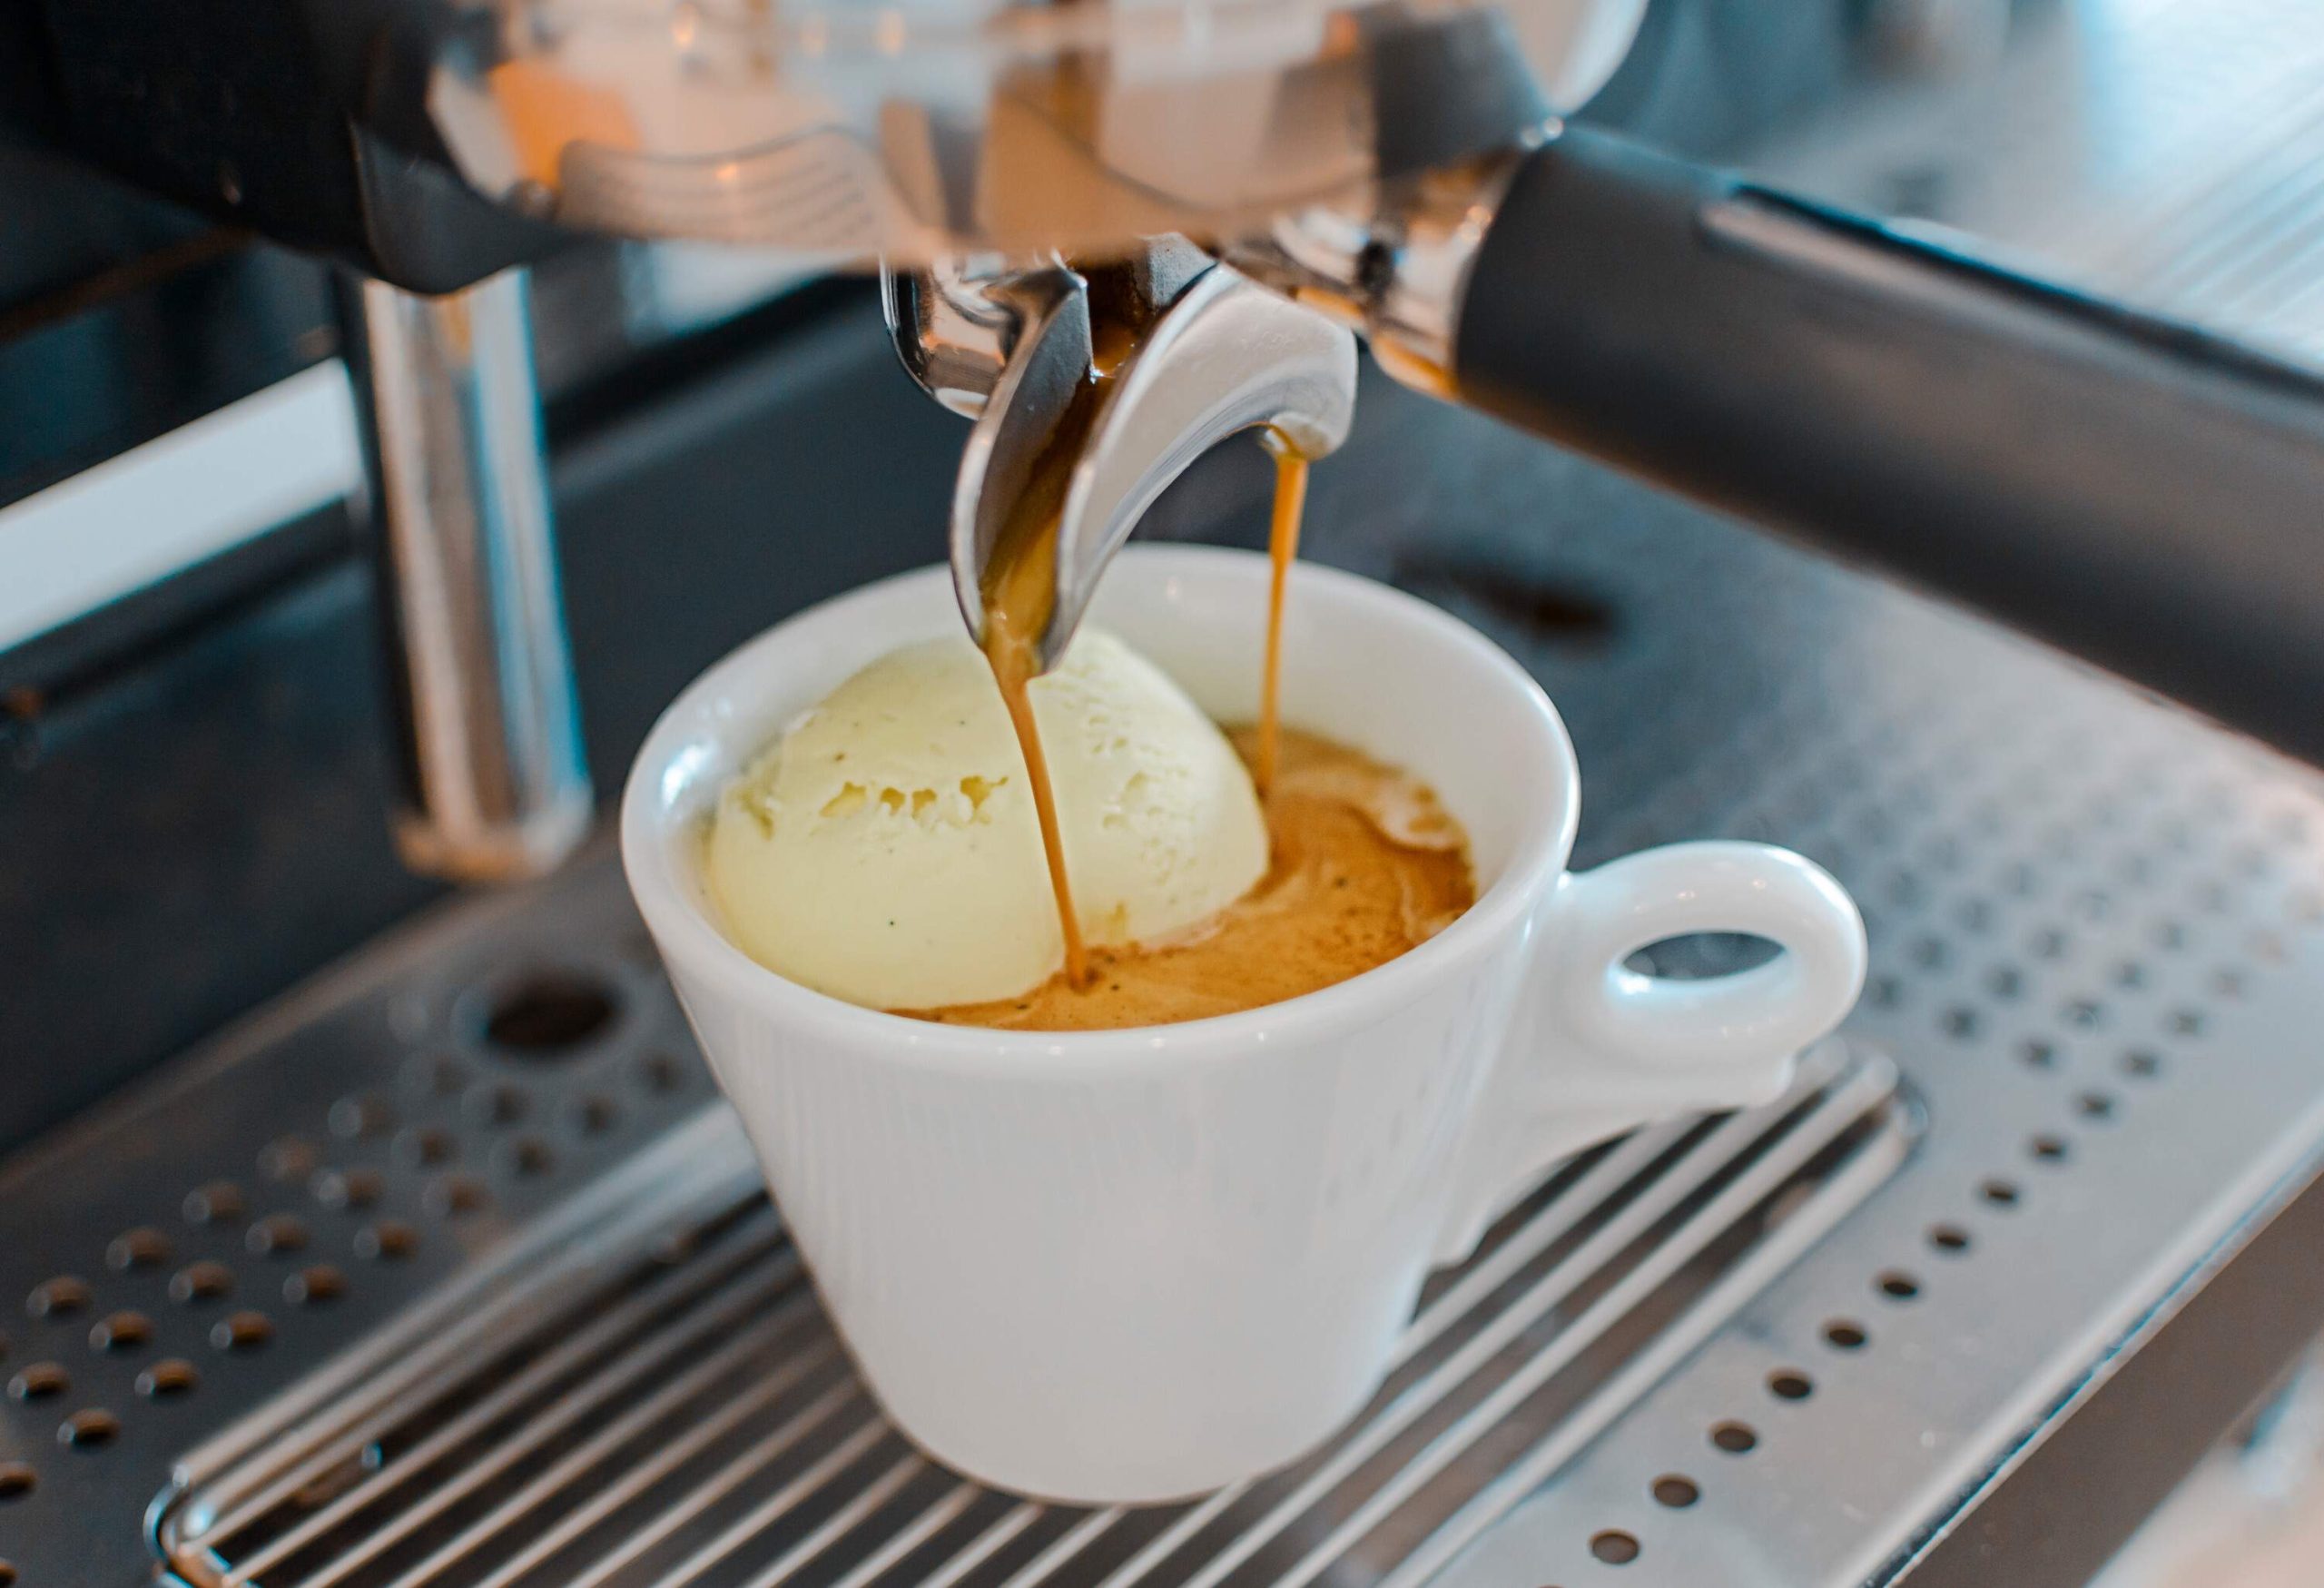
677,1411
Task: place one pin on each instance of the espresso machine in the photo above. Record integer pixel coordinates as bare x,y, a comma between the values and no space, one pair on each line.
446,1267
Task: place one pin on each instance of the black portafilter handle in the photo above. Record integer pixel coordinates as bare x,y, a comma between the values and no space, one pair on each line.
2137,492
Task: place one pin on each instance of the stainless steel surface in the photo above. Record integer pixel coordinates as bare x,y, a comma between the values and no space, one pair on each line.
686,1415
498,786
953,338
955,320
396,1130
1043,381
1397,272
923,129
2170,152
1227,355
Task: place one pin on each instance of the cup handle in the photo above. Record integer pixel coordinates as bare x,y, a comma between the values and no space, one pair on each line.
1597,1049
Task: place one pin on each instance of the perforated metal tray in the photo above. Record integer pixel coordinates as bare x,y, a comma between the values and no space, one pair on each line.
676,1410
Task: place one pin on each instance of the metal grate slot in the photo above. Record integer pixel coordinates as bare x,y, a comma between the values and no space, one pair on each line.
691,1419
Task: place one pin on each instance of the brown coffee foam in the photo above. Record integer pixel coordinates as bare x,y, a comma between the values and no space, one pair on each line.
1364,864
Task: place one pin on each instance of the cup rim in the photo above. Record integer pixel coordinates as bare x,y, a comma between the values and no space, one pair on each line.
685,934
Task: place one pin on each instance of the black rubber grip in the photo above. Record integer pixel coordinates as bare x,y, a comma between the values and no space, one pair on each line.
2144,495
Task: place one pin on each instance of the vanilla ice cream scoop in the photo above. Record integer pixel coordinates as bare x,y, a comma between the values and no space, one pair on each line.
886,850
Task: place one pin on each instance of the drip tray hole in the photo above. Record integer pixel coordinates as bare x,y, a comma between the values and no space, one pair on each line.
1549,605
548,1014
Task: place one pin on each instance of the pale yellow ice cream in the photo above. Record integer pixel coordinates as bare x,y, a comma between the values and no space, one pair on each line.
886,851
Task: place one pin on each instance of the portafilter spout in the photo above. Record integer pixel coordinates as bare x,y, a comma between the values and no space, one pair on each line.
1225,355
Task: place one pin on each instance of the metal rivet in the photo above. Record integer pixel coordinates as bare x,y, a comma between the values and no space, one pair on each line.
120,1331
242,1331
202,1281
16,1480
142,1247
1791,1385
1735,1438
2000,1193
1899,1287
1949,1237
1845,1335
88,1429
54,1298
2048,1149
168,1378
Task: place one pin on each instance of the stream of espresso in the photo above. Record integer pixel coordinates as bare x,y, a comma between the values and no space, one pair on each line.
1020,597
1283,548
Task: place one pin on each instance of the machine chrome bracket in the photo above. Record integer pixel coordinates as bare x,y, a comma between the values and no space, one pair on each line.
1398,271
496,786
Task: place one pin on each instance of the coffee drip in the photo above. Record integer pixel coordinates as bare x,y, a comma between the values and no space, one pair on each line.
1018,594
1282,548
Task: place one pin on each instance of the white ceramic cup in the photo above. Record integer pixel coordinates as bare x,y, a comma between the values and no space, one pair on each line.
1133,1266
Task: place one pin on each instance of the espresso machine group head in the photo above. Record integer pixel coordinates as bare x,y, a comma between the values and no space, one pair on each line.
1257,180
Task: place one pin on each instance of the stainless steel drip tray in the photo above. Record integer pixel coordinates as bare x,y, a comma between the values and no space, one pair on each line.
220,1239
649,1393
453,1270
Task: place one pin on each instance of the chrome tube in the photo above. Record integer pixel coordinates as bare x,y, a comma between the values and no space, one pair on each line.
495,786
